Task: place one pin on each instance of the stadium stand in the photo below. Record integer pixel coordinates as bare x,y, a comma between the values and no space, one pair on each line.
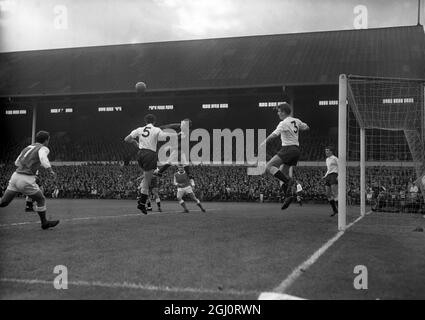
242,72
255,61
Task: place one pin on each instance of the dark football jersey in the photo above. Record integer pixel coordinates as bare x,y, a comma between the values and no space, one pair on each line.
29,160
182,179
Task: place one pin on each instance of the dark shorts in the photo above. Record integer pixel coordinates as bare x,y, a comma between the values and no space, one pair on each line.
289,155
147,159
331,179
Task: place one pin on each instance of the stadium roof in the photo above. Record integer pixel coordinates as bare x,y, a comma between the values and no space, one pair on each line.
252,61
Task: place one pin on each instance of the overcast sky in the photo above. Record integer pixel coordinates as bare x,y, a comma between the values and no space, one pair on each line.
47,24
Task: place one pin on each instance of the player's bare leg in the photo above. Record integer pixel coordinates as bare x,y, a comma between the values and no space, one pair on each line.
183,204
198,203
273,168
7,198
39,198
40,208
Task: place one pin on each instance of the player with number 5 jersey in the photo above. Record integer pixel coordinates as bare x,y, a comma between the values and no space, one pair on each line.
146,140
288,129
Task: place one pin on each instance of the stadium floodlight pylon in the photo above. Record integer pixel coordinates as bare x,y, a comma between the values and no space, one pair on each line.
381,125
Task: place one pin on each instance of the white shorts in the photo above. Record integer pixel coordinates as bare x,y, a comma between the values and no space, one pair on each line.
183,191
23,183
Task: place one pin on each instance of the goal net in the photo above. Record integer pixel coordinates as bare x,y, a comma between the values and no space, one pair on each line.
381,145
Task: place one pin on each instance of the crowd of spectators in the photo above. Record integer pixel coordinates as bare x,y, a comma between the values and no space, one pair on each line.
91,149
110,147
388,188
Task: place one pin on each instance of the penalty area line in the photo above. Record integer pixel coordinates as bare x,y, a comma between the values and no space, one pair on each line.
278,293
131,285
108,217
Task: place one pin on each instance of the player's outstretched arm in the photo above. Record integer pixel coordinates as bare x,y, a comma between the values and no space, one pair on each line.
269,138
44,161
173,126
304,127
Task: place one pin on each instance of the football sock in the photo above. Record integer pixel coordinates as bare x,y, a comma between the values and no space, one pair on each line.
200,205
288,191
143,198
42,215
158,202
279,175
183,204
333,205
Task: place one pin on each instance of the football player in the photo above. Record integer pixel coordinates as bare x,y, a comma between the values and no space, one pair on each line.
184,186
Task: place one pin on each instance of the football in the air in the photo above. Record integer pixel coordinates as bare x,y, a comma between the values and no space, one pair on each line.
140,87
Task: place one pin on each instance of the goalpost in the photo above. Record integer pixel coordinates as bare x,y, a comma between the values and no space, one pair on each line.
381,145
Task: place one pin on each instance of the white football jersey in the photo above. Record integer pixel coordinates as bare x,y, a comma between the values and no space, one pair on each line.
332,165
148,136
289,130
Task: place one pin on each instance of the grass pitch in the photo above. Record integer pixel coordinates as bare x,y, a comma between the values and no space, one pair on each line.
233,251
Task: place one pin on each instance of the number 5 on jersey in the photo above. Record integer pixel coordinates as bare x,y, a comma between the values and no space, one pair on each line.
146,132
